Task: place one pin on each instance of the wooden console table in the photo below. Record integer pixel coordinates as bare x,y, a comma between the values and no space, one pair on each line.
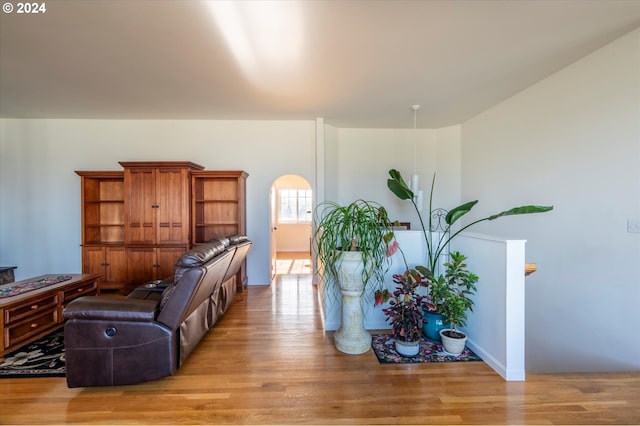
28,316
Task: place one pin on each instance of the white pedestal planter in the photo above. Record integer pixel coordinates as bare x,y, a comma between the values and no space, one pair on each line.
352,337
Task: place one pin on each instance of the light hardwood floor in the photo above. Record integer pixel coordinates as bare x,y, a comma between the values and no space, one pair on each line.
269,362
293,263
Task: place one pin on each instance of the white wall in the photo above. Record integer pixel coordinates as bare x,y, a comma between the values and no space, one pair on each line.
573,141
366,156
330,165
40,193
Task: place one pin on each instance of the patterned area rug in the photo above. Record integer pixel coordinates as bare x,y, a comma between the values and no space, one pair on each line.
384,348
42,358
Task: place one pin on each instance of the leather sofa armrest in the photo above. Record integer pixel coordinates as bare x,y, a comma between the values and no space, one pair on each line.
159,285
110,309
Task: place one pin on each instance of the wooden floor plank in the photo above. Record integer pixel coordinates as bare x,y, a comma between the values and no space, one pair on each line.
268,362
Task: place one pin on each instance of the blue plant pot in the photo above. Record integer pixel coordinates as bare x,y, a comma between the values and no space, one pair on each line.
433,323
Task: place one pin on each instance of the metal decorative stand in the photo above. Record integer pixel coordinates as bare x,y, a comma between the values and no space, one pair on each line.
439,225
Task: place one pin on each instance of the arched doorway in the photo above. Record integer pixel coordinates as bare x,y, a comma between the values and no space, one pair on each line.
291,225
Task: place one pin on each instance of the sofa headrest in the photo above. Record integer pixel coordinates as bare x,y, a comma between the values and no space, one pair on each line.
201,254
237,239
224,241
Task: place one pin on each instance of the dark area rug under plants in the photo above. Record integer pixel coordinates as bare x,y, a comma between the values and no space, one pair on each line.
42,358
384,348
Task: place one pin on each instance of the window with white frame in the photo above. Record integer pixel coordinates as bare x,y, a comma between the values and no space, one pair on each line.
294,206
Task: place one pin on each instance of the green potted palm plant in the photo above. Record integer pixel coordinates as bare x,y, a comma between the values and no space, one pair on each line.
351,248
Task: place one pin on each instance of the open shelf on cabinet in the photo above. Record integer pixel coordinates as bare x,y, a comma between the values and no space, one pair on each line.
218,204
102,207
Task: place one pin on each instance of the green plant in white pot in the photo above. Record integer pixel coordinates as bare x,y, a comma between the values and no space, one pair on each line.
451,294
351,247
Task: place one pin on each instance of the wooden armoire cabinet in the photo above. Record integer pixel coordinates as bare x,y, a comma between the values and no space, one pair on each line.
137,222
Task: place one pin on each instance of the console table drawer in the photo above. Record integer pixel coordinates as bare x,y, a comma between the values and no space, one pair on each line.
30,307
87,289
18,332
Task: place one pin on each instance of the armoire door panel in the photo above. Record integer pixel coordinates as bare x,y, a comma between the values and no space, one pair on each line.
109,261
116,264
93,261
141,264
140,206
172,197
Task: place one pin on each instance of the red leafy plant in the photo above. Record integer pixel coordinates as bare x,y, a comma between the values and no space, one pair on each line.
404,312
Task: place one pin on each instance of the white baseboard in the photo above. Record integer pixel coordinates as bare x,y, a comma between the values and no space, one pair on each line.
507,374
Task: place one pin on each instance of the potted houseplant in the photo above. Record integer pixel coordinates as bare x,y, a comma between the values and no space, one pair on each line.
450,294
404,312
437,240
351,247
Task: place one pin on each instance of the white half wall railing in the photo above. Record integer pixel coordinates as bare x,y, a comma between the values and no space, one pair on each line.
496,325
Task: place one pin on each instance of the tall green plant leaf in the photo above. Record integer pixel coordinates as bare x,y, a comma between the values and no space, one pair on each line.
521,210
457,212
398,186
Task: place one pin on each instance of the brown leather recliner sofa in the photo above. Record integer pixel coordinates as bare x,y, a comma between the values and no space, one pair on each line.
150,333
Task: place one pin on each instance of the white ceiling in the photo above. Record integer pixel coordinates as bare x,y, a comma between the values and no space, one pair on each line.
363,63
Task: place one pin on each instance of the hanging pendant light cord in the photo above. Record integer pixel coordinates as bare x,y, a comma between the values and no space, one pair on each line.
415,109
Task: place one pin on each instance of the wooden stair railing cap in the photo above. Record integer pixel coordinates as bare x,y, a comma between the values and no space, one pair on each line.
530,268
